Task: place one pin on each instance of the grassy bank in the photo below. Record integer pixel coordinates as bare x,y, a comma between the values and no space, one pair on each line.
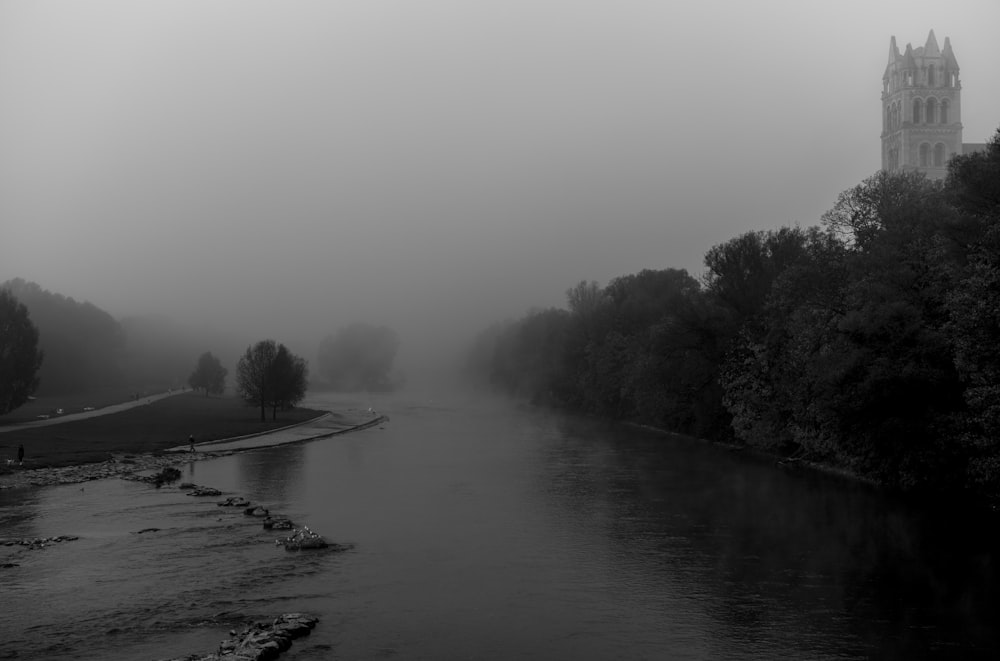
146,428
73,403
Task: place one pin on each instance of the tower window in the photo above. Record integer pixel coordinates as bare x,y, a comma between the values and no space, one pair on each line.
944,110
939,155
931,110
925,155
930,76
916,111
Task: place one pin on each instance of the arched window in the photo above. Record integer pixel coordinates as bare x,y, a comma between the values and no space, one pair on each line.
925,155
939,155
931,110
916,111
944,110
930,76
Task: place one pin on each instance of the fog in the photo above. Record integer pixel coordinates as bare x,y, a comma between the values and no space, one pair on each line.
284,169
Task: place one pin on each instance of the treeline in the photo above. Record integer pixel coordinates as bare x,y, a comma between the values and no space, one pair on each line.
871,341
85,348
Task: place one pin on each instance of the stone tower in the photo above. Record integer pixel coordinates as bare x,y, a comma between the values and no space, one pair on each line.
921,108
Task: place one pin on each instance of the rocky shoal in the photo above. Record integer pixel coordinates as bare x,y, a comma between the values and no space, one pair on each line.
121,466
259,641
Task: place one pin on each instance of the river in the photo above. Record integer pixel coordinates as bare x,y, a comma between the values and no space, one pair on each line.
483,529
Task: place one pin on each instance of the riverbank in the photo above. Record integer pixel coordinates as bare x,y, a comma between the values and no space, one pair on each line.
151,427
123,465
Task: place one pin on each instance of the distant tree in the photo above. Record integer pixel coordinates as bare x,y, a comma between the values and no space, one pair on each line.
289,377
20,358
209,375
253,374
268,374
359,357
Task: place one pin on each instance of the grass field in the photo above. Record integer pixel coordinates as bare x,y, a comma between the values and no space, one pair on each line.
150,427
71,403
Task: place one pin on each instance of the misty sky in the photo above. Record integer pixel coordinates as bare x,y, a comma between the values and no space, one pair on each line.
290,167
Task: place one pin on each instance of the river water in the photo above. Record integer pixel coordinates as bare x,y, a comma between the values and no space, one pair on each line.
482,529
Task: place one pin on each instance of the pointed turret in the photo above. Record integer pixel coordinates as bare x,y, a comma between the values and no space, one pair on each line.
931,47
893,50
908,61
949,57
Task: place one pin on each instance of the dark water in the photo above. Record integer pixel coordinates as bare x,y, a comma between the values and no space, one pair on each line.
482,530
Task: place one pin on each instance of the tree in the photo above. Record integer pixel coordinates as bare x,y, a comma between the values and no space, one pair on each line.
209,375
82,343
268,374
20,358
359,357
289,379
253,374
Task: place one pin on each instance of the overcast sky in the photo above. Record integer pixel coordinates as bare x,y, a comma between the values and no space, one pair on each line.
290,167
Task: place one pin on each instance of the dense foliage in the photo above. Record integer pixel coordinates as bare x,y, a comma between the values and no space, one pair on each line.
20,357
81,342
209,375
358,357
269,375
871,341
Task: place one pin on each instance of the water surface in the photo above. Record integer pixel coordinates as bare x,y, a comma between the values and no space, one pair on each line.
486,530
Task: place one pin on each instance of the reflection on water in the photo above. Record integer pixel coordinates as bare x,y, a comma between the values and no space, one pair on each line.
488,531
274,474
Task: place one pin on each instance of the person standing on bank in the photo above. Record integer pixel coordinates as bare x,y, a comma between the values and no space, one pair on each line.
191,441
20,454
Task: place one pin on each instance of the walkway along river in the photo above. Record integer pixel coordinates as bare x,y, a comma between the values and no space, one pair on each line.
486,530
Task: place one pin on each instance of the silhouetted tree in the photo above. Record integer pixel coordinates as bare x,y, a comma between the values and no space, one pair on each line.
268,374
289,376
209,375
20,358
253,375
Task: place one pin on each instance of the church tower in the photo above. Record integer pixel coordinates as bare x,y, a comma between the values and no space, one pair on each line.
921,108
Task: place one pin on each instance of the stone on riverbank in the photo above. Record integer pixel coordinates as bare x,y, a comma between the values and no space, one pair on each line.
277,523
204,491
303,539
163,476
256,510
235,501
260,641
35,543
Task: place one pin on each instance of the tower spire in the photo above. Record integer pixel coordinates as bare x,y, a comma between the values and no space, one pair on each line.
949,56
893,49
931,47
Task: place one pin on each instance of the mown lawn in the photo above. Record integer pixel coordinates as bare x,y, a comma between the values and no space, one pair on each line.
72,403
146,428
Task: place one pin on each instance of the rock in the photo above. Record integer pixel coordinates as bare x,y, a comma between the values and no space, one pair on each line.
259,641
35,543
303,539
277,523
256,510
145,530
204,491
235,501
